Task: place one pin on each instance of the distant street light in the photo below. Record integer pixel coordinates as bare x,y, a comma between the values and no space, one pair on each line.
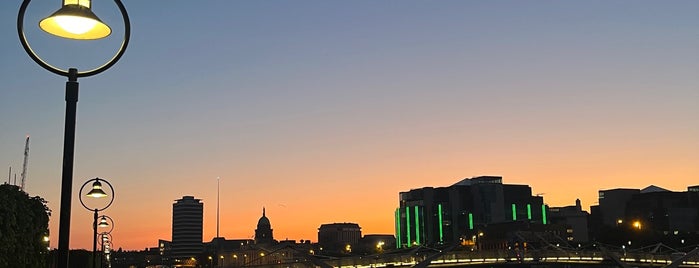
74,20
106,237
637,225
106,242
379,246
106,221
97,192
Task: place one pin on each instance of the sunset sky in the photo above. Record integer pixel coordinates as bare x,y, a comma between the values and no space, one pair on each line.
323,111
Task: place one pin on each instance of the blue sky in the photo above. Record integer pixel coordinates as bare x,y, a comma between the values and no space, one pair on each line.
296,103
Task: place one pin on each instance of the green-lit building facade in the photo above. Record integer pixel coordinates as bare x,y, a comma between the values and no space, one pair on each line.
443,215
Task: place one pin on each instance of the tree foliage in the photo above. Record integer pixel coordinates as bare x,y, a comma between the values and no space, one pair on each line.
24,223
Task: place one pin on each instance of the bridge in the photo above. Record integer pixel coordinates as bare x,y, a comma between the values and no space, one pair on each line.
599,257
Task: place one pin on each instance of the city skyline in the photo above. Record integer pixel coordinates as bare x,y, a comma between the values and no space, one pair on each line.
324,111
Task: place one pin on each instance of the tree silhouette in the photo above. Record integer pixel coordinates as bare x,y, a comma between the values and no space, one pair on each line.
23,225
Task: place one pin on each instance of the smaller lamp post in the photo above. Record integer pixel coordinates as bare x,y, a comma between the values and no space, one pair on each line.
96,192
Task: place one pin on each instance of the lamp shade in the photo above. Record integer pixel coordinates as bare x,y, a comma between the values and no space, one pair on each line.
103,222
75,21
96,191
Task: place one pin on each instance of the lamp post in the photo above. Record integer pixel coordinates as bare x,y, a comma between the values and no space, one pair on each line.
96,192
74,20
105,242
105,222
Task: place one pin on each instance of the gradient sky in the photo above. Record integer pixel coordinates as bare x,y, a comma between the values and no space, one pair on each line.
323,111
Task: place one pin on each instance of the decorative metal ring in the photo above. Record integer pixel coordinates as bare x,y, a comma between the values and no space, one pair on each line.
80,196
111,225
66,73
103,234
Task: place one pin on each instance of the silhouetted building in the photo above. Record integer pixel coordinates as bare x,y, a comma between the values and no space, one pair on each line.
612,204
574,219
187,231
693,189
652,214
221,244
663,210
245,253
339,236
164,250
443,215
263,233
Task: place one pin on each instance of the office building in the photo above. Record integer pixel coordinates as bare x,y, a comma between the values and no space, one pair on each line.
662,210
652,208
612,205
187,230
444,215
339,236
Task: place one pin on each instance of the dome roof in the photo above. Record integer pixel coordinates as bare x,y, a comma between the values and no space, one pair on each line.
264,221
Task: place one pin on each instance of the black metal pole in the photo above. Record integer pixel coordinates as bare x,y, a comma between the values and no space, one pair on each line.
101,250
67,175
94,240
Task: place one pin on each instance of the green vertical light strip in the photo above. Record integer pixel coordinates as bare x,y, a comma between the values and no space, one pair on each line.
514,212
398,234
543,213
529,211
407,223
417,225
441,232
470,221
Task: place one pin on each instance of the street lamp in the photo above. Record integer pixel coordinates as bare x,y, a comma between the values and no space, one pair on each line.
97,192
70,22
637,224
106,242
105,222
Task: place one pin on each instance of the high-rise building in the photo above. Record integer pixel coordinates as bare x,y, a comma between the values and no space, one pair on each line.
443,215
187,230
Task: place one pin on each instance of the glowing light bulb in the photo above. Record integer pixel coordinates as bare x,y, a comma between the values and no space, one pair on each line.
75,25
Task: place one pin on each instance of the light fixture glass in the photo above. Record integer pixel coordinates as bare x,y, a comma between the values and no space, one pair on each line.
75,20
96,191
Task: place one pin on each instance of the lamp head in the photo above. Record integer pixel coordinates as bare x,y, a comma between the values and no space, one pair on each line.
75,20
103,222
96,191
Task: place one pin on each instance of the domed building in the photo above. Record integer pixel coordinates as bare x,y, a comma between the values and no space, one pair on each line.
263,233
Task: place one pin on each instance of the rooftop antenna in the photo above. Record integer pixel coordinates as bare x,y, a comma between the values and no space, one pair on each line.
24,166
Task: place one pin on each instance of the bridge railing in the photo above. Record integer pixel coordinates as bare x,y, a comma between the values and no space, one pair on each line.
503,256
